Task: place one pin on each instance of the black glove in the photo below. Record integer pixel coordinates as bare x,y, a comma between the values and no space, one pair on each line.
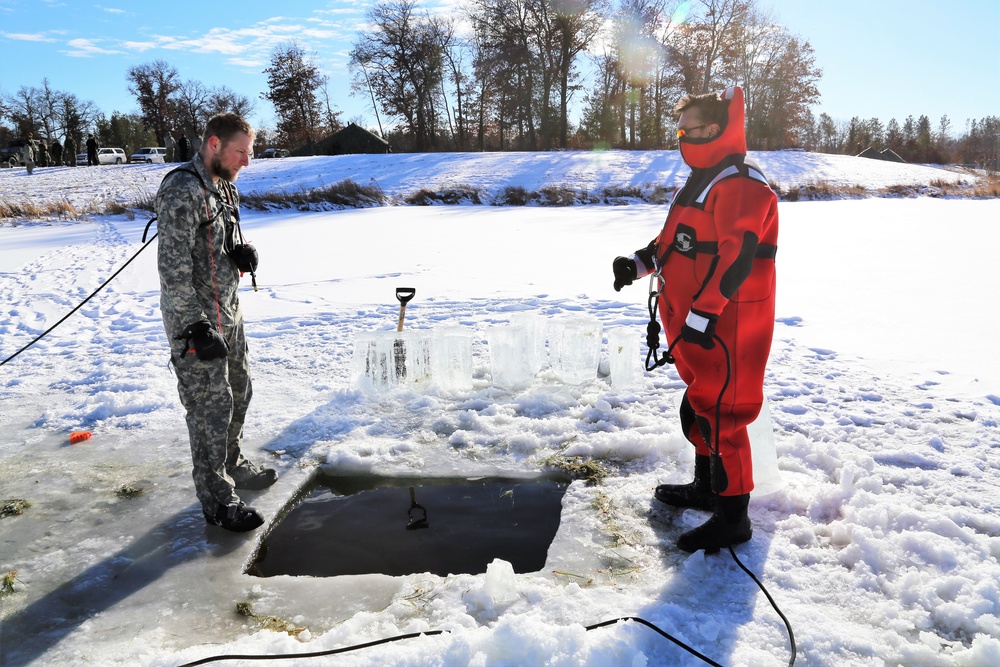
204,340
245,257
625,272
699,328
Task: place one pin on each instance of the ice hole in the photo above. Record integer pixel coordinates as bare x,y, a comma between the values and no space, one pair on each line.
398,526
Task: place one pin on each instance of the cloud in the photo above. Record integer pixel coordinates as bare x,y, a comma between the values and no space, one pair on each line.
248,46
112,10
26,37
85,48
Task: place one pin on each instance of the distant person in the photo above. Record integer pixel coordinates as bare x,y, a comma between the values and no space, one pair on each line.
714,263
182,148
195,144
28,155
43,154
128,156
168,141
55,150
201,257
92,151
70,150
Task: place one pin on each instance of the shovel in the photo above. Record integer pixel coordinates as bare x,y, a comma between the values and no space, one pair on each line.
403,294
417,515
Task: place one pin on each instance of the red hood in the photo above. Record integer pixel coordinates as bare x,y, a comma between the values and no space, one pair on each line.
703,153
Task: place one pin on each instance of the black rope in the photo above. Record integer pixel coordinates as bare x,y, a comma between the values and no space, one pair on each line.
92,295
653,360
316,654
346,649
774,605
649,625
715,452
652,340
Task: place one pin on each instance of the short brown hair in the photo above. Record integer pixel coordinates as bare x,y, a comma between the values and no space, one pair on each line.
225,125
711,107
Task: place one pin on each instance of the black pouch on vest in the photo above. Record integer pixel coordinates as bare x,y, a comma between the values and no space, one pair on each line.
245,257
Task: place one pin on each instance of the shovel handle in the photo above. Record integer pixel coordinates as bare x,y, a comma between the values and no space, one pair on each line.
403,294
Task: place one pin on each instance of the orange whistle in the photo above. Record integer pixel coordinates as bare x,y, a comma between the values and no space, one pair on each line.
79,436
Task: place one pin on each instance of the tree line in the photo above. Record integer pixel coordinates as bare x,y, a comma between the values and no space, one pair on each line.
509,84
512,76
916,140
167,106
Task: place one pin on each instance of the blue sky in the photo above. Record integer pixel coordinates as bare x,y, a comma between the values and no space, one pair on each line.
880,58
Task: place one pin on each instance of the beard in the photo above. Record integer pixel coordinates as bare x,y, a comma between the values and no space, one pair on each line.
228,174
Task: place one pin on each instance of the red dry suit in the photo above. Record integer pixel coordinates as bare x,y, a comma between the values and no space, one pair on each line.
716,256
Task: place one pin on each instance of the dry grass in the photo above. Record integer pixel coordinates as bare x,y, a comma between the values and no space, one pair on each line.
557,195
514,195
272,623
13,210
987,187
619,195
127,491
459,194
592,472
820,191
7,582
349,194
341,195
13,507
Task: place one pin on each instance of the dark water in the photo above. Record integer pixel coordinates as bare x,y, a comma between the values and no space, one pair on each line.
401,526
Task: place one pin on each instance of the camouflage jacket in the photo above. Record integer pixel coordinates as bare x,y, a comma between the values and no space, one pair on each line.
197,226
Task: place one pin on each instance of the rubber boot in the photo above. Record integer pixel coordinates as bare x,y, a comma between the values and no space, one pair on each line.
697,494
728,526
237,518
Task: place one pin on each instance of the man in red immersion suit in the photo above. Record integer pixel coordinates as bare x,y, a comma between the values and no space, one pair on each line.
715,264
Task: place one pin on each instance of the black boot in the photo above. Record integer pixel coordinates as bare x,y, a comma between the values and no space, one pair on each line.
253,477
237,518
697,494
728,526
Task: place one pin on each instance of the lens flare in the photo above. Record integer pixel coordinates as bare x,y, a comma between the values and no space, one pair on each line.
681,13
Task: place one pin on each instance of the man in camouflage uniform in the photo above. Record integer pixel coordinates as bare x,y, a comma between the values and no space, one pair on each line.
70,151
28,154
56,152
200,259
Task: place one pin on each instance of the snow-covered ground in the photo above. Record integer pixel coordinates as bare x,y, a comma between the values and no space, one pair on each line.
881,546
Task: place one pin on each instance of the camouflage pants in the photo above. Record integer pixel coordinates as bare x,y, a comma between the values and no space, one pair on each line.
216,395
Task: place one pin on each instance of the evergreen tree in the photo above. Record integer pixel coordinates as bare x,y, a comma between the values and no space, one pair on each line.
293,81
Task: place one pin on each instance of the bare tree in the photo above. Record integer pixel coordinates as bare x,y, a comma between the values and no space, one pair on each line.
26,110
191,103
778,75
154,85
401,62
331,116
222,99
577,23
507,43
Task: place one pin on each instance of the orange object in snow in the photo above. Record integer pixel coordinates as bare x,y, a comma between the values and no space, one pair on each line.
79,436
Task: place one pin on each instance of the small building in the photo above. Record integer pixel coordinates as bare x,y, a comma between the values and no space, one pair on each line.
350,140
886,154
890,155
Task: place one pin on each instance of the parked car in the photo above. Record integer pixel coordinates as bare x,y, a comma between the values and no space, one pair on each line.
149,154
275,152
105,156
10,156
